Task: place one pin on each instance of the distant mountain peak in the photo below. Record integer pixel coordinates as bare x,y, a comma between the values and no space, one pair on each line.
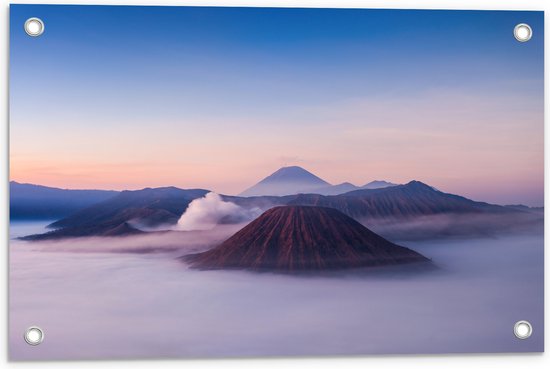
379,181
295,173
286,181
420,185
293,180
292,167
377,184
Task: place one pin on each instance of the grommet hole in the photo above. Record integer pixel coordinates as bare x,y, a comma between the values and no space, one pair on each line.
523,329
34,336
34,27
523,32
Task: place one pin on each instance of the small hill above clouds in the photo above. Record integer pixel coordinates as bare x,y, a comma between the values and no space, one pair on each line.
345,187
336,189
303,238
377,184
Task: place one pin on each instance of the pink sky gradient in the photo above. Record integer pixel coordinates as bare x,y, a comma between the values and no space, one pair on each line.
237,96
486,148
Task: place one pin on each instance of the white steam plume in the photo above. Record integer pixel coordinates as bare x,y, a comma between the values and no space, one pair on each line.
208,211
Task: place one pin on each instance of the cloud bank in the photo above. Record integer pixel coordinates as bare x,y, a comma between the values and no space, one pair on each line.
183,312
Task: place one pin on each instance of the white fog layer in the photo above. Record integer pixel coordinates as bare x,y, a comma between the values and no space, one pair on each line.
141,304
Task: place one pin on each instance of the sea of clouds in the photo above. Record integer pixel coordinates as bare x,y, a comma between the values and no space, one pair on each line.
134,298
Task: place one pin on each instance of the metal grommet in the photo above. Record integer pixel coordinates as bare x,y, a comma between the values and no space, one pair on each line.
523,329
34,27
523,32
34,336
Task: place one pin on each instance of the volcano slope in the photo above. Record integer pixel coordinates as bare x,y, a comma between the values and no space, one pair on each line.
303,238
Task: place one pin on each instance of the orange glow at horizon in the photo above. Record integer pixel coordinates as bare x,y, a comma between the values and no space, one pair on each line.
452,142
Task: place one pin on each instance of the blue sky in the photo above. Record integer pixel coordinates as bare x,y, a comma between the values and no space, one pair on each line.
127,97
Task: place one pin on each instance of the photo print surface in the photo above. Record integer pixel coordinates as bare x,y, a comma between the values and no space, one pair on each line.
209,182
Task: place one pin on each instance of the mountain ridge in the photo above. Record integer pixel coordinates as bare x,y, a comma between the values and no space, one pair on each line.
293,180
152,207
148,207
32,201
402,201
377,184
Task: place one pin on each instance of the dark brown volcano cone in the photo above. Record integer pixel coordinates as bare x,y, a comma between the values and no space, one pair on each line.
296,238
